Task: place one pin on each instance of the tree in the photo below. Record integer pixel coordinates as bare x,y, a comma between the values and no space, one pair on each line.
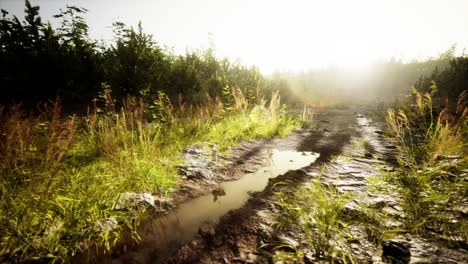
135,65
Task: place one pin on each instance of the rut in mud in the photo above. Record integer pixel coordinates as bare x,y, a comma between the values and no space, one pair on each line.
201,236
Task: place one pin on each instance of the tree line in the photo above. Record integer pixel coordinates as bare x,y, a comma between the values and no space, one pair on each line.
39,62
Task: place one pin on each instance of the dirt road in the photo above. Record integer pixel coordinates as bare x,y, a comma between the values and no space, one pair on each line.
351,146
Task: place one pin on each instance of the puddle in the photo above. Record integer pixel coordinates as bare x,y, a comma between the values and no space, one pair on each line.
163,236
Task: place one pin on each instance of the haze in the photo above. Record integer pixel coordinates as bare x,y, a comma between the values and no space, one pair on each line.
285,35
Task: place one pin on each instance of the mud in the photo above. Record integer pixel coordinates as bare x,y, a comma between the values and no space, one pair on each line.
352,148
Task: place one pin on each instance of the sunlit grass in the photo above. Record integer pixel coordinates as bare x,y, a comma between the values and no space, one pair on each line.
318,211
429,181
62,177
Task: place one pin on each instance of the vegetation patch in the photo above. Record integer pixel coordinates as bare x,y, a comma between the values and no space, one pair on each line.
431,179
318,211
63,178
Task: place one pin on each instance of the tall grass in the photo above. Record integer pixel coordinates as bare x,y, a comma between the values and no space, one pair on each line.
430,182
61,177
318,211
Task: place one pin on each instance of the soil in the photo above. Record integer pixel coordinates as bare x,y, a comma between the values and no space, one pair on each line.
336,134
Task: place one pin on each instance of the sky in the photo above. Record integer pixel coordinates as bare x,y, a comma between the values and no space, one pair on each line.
284,35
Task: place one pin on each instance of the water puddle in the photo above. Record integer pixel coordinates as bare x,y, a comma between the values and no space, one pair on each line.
161,236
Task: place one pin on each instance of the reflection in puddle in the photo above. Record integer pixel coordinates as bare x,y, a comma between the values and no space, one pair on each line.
182,224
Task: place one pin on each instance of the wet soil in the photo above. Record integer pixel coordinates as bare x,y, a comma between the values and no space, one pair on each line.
352,148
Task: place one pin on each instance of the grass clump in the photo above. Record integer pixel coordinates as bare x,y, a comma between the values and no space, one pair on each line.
307,118
430,181
318,211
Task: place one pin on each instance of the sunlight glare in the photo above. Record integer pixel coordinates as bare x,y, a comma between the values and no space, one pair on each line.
307,37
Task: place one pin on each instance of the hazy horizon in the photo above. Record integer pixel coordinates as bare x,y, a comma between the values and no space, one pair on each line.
275,35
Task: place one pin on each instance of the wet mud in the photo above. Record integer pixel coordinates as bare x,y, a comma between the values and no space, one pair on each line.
351,147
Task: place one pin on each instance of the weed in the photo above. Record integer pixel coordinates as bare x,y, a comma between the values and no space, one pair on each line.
431,195
307,118
318,211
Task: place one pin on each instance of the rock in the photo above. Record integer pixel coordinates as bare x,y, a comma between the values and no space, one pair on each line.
395,252
107,224
267,231
132,200
207,232
196,148
252,258
289,241
389,169
352,209
249,170
359,116
377,203
196,173
163,203
309,257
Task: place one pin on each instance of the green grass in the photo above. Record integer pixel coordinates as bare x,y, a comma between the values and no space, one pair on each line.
318,211
61,176
432,187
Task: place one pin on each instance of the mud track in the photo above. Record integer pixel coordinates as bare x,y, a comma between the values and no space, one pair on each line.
239,233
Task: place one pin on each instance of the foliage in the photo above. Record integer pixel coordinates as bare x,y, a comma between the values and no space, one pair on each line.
451,82
434,153
60,177
318,211
39,63
45,63
135,65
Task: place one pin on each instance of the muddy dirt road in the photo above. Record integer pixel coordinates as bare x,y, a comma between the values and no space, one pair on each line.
351,146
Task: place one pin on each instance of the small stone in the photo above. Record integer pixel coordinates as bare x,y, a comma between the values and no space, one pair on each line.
395,252
351,209
309,257
132,200
107,224
249,170
196,173
163,203
377,203
252,258
206,232
289,241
